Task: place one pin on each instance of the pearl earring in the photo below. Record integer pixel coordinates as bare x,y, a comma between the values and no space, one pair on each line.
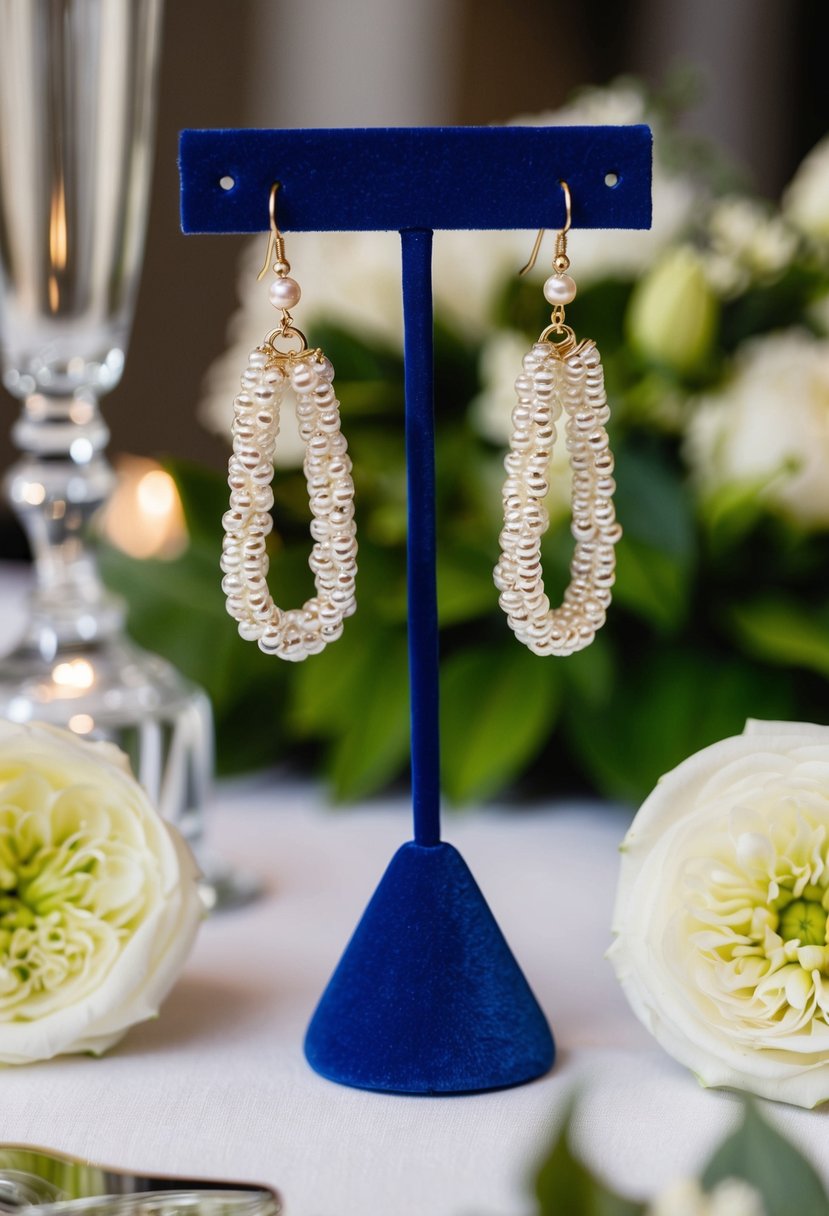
558,373
295,633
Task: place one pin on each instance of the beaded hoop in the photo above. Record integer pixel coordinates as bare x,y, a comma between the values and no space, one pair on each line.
558,377
296,633
567,375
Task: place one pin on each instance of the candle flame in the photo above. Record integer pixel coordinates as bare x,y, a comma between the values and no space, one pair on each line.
144,517
58,243
76,674
58,228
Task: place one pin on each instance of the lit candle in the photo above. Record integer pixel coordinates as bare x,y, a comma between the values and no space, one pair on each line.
144,516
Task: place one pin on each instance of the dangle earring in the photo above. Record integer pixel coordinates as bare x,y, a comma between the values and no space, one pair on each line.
294,633
559,374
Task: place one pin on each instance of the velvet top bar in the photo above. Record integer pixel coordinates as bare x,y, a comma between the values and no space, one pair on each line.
385,178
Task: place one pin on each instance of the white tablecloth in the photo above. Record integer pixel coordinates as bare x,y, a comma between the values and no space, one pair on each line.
218,1085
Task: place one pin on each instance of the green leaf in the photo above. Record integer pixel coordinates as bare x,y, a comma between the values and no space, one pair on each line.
782,632
177,609
767,1161
565,1187
590,672
656,556
250,732
381,582
465,586
664,708
600,306
354,359
651,583
652,503
326,691
373,747
732,511
289,577
498,707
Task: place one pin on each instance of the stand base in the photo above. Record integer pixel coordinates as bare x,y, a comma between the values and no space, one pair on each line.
428,998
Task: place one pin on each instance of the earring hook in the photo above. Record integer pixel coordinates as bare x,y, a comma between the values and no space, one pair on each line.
276,243
561,237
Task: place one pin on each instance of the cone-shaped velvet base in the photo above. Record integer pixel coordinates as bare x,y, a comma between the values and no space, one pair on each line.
428,998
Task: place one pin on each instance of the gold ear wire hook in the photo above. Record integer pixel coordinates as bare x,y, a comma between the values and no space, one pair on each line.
276,244
561,237
568,208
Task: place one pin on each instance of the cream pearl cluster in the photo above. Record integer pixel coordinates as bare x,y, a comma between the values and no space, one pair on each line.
298,632
557,378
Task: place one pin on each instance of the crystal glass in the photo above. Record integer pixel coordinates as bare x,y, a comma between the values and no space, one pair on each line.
77,114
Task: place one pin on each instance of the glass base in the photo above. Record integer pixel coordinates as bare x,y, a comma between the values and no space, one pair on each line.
111,689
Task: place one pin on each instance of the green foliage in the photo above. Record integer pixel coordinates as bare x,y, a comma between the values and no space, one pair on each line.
718,614
496,710
372,747
565,1185
656,556
784,632
664,705
759,1155
754,1153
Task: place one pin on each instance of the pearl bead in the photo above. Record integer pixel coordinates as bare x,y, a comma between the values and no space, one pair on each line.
559,289
284,292
302,377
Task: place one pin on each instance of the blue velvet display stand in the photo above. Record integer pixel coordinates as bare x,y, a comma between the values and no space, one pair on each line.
427,998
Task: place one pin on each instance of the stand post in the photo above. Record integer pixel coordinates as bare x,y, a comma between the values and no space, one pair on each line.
421,583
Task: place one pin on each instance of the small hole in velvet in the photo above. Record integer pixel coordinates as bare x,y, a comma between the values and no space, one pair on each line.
227,182
611,180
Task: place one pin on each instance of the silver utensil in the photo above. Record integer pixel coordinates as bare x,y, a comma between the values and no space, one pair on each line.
165,1203
47,1183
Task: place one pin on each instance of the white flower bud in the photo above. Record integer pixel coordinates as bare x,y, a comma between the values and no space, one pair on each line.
672,313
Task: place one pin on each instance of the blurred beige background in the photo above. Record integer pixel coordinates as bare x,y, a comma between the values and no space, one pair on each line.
389,62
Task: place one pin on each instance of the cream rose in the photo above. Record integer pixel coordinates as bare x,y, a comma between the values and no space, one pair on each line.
747,243
99,902
720,923
769,425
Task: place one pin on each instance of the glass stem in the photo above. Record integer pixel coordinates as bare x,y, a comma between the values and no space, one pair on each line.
56,488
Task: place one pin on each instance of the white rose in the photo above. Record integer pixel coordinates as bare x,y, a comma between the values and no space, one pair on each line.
769,425
806,201
99,902
747,243
721,913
